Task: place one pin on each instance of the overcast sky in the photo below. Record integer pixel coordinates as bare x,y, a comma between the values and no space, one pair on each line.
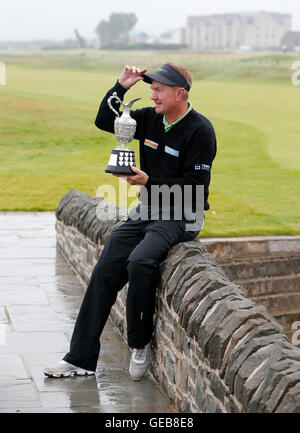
56,19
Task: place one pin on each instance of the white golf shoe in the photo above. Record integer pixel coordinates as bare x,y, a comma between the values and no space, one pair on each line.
139,362
64,369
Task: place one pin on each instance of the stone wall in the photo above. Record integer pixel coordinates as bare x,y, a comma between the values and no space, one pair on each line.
214,350
267,269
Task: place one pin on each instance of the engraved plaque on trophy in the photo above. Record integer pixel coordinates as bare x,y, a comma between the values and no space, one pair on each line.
122,157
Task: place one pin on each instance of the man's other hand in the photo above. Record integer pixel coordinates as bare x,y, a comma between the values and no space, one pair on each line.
131,75
140,178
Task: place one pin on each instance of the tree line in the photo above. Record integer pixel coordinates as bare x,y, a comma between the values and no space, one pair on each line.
116,29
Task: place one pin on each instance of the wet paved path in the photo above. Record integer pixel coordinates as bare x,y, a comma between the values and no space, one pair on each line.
39,300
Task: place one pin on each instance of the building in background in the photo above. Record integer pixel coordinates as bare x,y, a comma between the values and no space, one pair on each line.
139,37
255,30
291,41
173,36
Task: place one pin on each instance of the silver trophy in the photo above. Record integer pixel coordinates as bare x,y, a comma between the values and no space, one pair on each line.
122,157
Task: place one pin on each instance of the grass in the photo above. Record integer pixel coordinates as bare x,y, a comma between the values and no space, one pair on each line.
49,143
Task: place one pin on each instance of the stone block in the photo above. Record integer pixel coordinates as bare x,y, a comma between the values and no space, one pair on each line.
205,289
183,286
192,374
184,371
253,371
265,286
90,218
289,245
251,327
211,405
169,366
200,394
186,408
94,230
159,338
195,244
281,303
75,208
218,387
257,402
259,268
288,378
218,250
65,201
232,406
203,280
260,336
226,329
196,313
221,309
290,402
252,248
289,350
166,386
202,283
78,241
186,344
166,314
184,271
168,266
167,330
82,215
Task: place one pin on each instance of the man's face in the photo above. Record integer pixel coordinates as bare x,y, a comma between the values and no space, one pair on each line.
164,97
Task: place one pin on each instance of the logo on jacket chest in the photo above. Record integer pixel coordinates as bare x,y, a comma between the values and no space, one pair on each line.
151,144
171,151
167,149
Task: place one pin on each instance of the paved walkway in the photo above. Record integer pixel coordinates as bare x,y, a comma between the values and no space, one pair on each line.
39,300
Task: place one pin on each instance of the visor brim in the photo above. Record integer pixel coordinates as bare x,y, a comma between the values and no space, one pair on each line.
148,78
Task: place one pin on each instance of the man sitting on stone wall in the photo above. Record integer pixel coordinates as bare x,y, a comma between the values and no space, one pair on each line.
177,147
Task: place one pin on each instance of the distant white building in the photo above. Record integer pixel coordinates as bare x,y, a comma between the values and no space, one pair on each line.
139,37
173,36
291,41
258,30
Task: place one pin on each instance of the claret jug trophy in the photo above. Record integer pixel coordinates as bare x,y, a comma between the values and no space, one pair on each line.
122,157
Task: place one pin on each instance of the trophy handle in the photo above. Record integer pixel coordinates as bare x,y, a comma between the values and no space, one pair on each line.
114,96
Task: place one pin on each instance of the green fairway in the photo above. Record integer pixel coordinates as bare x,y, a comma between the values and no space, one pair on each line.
49,143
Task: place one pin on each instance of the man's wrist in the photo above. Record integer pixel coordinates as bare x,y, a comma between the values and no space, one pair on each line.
146,179
119,89
122,85
148,183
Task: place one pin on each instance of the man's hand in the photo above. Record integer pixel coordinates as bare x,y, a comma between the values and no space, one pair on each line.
140,178
131,75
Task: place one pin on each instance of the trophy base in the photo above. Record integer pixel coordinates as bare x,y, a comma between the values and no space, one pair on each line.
129,172
120,160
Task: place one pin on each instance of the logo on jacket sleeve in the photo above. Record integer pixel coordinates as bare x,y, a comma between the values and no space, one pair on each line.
202,167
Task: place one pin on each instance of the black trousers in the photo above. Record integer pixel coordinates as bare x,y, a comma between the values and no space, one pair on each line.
132,254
